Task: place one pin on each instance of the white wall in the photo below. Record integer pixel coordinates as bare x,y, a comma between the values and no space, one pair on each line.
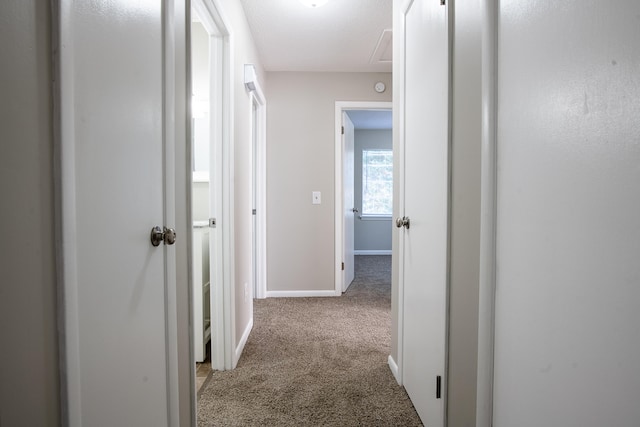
244,52
567,341
300,159
200,201
29,383
373,234
200,89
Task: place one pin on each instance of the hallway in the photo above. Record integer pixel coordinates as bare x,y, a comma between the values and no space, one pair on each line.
315,361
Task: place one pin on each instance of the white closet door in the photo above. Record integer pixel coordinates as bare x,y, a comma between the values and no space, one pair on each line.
113,192
424,239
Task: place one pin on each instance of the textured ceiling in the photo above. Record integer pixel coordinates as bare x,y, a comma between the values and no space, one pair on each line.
339,36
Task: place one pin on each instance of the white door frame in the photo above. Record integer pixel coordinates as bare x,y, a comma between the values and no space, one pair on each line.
259,178
488,216
343,106
221,164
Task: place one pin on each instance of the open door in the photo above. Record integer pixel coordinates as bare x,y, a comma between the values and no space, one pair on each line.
115,102
348,205
423,224
345,208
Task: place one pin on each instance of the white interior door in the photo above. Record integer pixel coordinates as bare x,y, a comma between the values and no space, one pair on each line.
112,129
348,204
567,342
424,238
254,196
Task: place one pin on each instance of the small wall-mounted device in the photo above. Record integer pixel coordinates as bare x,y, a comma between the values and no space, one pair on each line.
250,77
379,87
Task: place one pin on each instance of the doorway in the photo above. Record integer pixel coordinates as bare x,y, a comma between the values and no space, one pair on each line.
258,182
352,116
209,74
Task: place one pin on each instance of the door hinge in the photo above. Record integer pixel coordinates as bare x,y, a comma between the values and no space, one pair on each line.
343,130
253,211
442,2
212,223
438,387
343,266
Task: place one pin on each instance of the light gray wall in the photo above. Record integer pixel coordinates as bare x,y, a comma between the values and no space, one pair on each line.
244,53
370,234
568,214
465,215
29,383
300,159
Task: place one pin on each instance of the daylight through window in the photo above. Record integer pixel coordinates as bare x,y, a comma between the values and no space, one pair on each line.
377,182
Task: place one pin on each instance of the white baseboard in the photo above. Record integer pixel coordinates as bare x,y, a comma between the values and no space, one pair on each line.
394,369
298,294
372,252
243,341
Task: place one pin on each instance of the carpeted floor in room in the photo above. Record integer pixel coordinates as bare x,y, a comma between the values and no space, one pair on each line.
315,362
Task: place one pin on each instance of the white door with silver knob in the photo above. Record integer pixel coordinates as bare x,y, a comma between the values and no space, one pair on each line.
424,199
119,360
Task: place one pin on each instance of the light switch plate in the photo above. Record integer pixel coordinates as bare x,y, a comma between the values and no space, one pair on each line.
316,198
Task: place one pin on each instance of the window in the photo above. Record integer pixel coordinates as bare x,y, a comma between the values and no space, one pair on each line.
377,182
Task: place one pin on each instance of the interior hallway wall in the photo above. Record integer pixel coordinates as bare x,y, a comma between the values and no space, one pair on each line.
300,159
29,383
244,52
567,297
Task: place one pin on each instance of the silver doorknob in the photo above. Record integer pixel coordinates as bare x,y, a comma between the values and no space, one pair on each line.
166,235
403,222
355,210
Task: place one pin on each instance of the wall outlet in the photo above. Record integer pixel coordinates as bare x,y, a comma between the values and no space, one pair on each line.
316,197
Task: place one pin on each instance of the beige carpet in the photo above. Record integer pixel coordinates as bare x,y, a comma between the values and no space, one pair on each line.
315,362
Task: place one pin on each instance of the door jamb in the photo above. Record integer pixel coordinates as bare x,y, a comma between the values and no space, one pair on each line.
343,106
488,218
222,292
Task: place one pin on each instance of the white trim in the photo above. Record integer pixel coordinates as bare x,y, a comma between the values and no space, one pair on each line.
63,55
243,341
171,50
302,294
342,106
221,179
398,168
257,97
373,252
394,369
200,176
375,217
487,285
